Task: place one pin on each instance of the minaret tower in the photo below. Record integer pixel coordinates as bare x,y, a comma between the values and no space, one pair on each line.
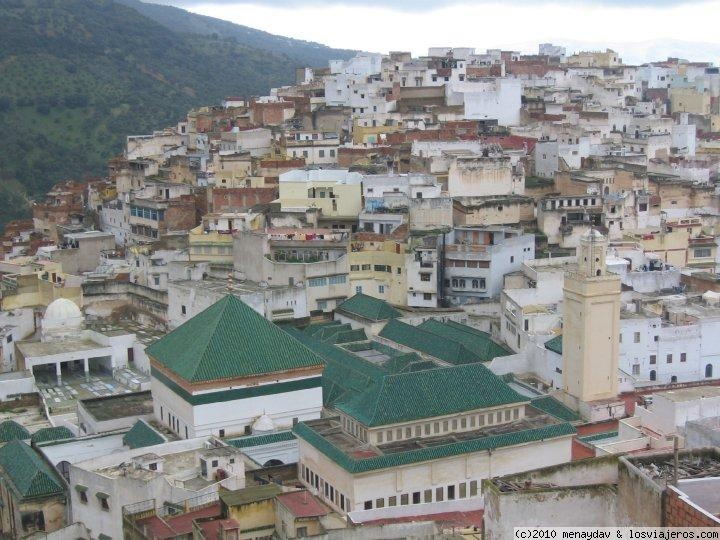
591,324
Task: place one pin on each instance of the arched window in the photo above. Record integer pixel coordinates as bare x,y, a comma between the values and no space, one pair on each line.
653,375
475,284
673,379
597,272
708,371
454,282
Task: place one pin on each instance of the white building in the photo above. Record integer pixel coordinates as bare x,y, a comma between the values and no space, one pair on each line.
220,371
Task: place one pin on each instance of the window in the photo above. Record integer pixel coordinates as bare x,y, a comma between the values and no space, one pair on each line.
427,296
463,490
702,252
526,324
683,357
669,358
416,497
380,437
332,153
404,499
636,369
473,488
183,310
653,375
9,339
321,153
653,359
301,532
424,277
451,493
427,495
83,496
636,337
368,505
354,267
439,495
392,501
381,289
317,282
336,280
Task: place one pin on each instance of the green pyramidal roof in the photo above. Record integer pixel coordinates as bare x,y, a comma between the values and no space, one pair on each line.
369,307
142,435
227,340
29,474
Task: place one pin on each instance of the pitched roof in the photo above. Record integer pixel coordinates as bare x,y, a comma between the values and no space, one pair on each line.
11,430
478,342
359,465
414,395
421,340
227,340
554,407
250,494
29,474
302,504
51,434
555,344
142,435
260,440
368,307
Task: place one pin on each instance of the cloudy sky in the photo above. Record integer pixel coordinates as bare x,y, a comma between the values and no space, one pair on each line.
641,30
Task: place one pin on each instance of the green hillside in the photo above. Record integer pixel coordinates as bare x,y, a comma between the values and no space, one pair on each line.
78,76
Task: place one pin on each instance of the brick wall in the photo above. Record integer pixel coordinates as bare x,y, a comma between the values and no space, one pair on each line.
679,512
238,199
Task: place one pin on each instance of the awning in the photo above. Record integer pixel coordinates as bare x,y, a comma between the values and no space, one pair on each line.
101,495
81,488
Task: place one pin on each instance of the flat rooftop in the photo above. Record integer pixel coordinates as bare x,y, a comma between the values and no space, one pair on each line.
694,464
330,430
34,349
690,394
119,406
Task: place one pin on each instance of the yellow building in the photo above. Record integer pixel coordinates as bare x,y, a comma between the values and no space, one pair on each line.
377,267
591,324
253,508
36,285
337,193
371,134
680,243
212,240
689,100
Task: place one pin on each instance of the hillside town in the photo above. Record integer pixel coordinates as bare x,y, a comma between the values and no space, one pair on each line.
406,297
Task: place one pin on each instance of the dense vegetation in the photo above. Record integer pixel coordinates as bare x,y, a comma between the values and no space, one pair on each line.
77,76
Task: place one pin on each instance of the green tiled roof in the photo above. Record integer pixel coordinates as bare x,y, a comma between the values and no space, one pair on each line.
478,342
552,406
368,307
414,395
28,473
360,465
554,344
227,340
335,332
445,349
142,435
598,436
51,434
259,440
11,430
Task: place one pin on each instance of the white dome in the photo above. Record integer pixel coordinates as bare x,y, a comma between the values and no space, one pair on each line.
62,313
264,424
594,235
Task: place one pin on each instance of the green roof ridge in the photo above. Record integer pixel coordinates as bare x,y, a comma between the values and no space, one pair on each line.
555,344
481,343
48,434
10,430
228,340
440,347
259,440
555,408
369,307
29,474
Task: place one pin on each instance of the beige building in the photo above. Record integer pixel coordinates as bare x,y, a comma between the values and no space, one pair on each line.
591,324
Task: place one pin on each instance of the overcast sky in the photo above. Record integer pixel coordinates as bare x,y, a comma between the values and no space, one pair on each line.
641,30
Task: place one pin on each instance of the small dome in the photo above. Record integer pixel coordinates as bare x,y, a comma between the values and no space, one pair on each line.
593,235
62,313
264,424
